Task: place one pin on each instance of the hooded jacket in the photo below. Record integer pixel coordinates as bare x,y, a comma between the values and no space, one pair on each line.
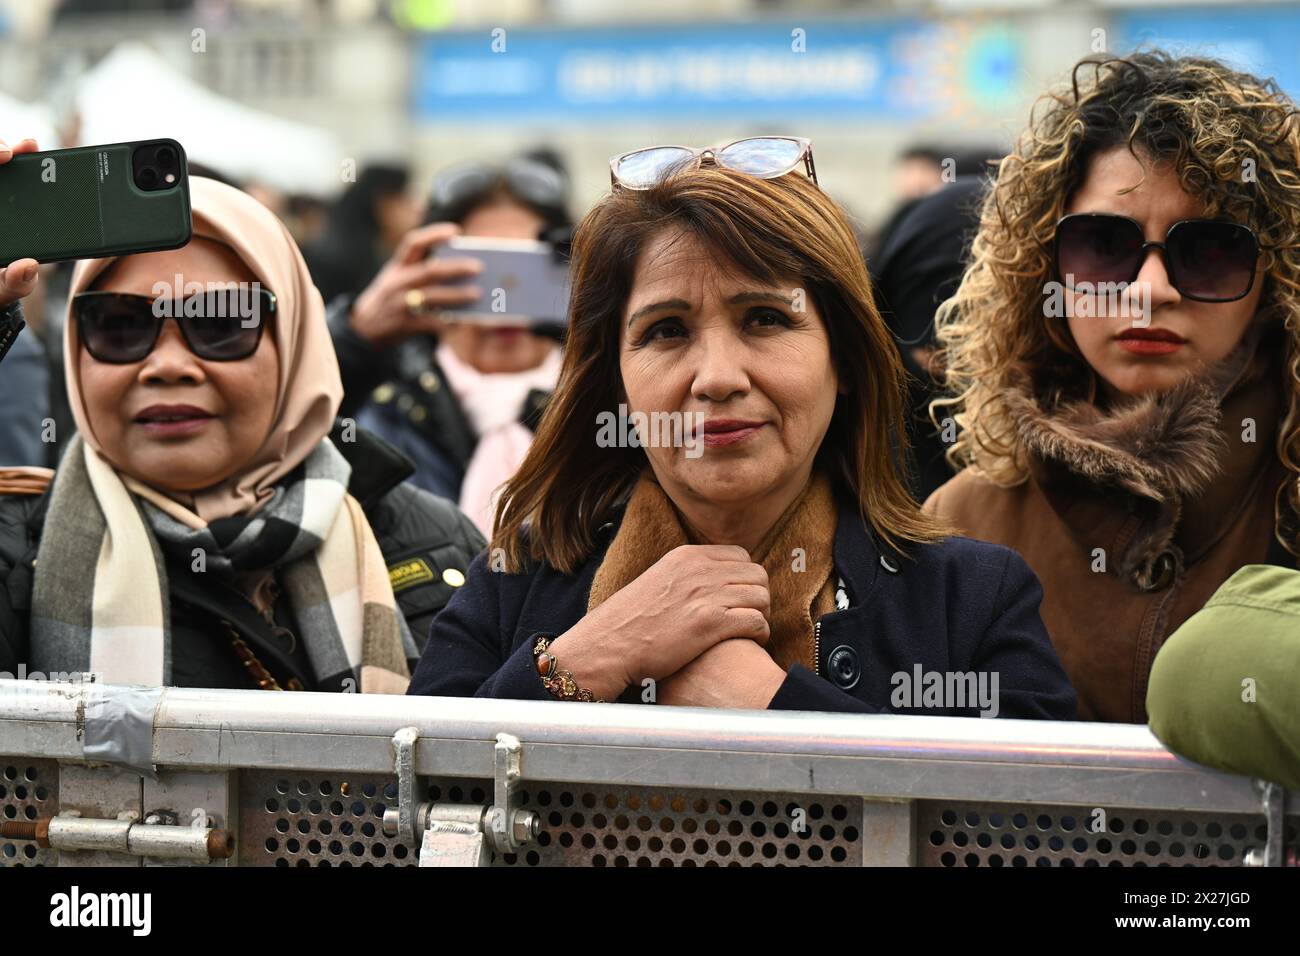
1133,516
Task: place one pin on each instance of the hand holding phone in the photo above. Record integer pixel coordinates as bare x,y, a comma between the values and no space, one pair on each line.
18,279
93,201
523,282
403,299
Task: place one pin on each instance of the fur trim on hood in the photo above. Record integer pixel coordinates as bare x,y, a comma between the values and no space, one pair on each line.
1161,449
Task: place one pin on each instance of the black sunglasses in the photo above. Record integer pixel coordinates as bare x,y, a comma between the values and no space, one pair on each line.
219,326
467,184
1207,260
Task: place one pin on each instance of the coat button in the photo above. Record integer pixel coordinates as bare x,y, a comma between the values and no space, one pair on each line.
888,564
844,667
428,381
383,394
453,577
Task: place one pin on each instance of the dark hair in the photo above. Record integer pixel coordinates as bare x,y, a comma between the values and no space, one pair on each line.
548,156
346,255
355,214
929,153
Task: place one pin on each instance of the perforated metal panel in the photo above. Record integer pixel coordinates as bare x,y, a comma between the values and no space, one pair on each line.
323,819
987,834
320,820
316,820
661,827
29,789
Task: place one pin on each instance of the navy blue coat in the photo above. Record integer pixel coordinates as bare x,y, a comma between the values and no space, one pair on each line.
954,606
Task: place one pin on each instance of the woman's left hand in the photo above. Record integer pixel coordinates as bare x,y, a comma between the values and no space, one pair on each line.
735,673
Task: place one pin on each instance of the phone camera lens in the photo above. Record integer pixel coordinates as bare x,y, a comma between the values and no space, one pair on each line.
166,156
148,176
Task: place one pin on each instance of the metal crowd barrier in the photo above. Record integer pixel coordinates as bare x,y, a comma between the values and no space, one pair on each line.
253,778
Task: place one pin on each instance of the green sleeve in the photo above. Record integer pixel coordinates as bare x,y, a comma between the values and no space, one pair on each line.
1225,688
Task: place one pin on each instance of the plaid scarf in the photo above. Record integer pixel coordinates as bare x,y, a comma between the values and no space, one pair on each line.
98,599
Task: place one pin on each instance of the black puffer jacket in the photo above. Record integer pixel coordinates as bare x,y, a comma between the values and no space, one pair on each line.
403,396
427,543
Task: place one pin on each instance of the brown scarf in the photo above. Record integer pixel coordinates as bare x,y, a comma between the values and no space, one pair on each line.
796,553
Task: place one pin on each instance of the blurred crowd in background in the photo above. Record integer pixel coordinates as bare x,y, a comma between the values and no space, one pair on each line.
358,121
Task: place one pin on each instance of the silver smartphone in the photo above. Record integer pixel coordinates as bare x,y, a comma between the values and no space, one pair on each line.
522,281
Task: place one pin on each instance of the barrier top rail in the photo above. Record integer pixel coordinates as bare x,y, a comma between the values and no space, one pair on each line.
883,757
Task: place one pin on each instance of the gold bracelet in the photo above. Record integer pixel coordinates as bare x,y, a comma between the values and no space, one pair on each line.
559,683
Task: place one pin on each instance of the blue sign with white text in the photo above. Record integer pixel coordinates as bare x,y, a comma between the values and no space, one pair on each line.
888,69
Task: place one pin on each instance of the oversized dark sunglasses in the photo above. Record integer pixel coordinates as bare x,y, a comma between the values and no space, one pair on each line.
765,157
1207,260
219,326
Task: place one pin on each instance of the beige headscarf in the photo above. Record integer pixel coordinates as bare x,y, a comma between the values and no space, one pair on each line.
99,605
310,388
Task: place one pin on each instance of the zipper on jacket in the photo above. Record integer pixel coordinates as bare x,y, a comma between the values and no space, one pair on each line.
817,647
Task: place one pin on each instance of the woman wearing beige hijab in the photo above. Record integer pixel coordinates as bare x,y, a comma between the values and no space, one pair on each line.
212,524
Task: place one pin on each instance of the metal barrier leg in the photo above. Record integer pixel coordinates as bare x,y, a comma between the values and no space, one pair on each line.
460,834
454,844
1273,798
888,833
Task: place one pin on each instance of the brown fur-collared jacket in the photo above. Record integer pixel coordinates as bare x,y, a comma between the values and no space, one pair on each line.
1132,517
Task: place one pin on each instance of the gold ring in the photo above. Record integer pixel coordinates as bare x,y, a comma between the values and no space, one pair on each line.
414,300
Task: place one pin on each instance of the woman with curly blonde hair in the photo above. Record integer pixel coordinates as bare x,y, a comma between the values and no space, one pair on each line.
1123,357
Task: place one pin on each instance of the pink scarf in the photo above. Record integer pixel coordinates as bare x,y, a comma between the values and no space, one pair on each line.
493,403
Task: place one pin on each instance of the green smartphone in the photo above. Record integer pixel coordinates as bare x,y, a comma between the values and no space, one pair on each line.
94,201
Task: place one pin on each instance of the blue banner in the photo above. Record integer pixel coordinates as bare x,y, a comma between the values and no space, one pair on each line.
888,69
1264,41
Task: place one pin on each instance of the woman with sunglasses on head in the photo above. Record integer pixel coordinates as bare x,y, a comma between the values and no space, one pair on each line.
211,524
761,550
459,397
1123,356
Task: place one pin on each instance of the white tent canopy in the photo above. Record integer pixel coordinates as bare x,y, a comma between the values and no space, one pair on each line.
20,120
133,94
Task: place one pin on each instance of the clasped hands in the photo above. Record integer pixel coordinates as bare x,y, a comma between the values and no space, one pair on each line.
695,623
